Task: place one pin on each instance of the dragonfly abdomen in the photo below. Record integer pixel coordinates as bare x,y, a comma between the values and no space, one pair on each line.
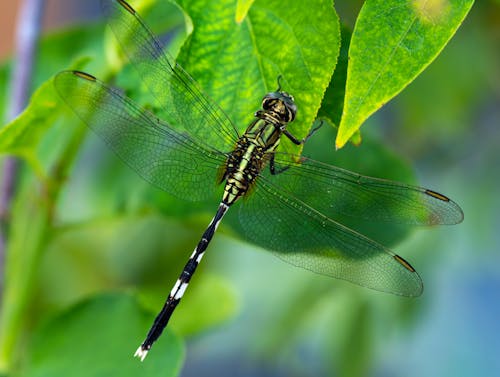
181,285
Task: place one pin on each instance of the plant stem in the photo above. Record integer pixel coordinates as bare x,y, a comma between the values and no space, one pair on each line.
27,33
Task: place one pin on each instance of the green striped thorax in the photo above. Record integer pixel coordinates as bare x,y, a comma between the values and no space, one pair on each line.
254,148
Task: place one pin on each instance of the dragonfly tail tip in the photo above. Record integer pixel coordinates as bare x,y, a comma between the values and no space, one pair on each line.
141,353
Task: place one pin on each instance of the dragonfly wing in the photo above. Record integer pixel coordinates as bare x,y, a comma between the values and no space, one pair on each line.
164,157
179,98
304,237
332,190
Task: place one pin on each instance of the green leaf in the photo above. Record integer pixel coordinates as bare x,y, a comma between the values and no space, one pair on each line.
98,337
69,48
238,63
210,302
21,136
393,41
144,251
242,7
371,158
333,101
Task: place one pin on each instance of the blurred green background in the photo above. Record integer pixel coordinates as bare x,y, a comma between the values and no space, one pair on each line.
249,314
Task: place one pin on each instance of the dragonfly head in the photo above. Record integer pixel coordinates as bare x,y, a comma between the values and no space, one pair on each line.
281,104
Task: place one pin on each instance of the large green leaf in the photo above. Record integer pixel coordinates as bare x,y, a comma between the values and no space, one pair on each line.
98,337
238,62
393,41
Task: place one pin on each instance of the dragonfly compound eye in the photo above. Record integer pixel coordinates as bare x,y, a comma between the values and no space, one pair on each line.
282,104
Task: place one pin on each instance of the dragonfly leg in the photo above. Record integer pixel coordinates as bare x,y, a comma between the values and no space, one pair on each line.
296,141
274,170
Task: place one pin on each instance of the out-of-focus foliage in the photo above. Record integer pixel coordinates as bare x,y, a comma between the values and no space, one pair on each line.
88,339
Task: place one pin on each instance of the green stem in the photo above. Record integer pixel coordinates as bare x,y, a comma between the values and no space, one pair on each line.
26,240
31,229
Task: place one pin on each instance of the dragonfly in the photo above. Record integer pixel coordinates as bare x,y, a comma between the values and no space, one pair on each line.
290,200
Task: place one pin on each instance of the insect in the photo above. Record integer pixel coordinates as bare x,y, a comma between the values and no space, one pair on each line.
290,200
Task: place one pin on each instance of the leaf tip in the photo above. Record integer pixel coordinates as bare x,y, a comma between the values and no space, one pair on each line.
340,141
242,8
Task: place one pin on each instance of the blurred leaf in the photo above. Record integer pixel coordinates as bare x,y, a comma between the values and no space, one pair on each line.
19,137
140,250
211,301
23,135
393,41
374,159
356,355
98,337
237,64
124,250
69,48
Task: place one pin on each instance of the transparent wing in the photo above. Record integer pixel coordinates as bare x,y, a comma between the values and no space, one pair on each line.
168,159
178,96
302,236
332,190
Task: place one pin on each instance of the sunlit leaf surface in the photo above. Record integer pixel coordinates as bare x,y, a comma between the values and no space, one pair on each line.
392,42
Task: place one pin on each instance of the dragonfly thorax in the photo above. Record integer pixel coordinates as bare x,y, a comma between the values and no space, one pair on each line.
281,105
